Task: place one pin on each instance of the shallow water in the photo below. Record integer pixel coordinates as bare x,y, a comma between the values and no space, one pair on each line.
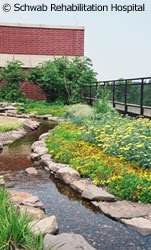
73,213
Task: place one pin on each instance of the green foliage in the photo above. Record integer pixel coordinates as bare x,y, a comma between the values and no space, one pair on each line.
63,78
15,228
102,104
122,137
12,75
9,126
124,179
79,113
132,187
43,108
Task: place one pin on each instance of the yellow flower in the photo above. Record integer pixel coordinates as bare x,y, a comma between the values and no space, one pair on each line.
140,145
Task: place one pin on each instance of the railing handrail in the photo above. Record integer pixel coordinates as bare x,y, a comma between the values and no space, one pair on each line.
141,82
122,79
126,79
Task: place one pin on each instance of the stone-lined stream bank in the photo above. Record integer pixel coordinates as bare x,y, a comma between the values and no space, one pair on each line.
74,214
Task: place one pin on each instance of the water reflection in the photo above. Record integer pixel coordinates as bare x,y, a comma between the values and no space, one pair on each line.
15,156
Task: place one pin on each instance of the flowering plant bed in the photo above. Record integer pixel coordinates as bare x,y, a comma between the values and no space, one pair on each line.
124,179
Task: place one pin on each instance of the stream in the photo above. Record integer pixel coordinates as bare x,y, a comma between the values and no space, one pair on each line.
74,214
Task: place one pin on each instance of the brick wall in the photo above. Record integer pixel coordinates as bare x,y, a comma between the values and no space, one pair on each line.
33,91
32,44
41,41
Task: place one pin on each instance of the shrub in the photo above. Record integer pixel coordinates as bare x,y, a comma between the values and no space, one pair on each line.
63,78
80,113
12,75
102,104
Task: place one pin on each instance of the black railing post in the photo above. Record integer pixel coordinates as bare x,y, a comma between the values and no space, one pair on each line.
113,94
142,97
90,95
125,96
96,89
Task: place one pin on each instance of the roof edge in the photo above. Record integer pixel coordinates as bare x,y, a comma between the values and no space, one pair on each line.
42,26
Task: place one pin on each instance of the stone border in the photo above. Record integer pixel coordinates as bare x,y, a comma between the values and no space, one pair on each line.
10,136
136,215
28,124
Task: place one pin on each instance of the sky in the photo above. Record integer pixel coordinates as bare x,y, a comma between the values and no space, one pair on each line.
118,43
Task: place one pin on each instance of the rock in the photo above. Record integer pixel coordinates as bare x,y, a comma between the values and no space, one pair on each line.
45,158
10,108
52,166
35,157
123,209
37,144
10,184
31,171
45,226
43,136
2,182
45,117
41,150
1,145
56,119
27,116
94,193
67,175
79,186
26,199
30,125
33,213
33,201
140,224
17,197
66,241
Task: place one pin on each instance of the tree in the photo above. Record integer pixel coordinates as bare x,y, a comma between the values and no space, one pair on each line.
63,78
13,76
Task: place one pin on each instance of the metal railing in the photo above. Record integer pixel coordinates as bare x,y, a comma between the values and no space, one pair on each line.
129,96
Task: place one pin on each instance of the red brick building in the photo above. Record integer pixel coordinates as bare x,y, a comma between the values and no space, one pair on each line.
32,44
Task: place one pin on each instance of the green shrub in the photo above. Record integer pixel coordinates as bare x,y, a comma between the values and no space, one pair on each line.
63,78
13,76
80,113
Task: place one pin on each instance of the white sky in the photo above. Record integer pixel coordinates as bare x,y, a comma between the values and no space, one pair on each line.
119,44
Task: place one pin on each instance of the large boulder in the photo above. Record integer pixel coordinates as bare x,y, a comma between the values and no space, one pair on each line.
94,193
66,241
45,226
67,175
